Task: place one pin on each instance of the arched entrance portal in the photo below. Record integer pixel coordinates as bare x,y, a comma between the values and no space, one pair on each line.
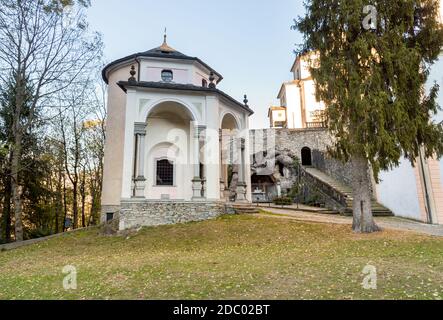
168,152
306,157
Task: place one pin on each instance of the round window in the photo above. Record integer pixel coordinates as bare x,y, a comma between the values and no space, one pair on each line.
167,75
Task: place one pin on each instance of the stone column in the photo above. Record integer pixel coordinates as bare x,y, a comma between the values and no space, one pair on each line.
139,166
202,140
222,166
241,186
196,181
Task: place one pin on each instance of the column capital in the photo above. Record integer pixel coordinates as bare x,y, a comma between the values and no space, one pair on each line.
140,128
199,132
201,128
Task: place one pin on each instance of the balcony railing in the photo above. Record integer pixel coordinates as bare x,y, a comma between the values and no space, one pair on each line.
311,125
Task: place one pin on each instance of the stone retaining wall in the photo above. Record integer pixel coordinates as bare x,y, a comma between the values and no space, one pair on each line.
135,214
335,168
289,140
296,139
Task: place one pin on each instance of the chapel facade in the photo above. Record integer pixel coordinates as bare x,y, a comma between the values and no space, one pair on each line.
177,147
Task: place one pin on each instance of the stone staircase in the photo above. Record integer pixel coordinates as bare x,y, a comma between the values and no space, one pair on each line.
245,208
340,193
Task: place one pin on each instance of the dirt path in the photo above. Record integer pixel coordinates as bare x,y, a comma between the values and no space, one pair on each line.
386,223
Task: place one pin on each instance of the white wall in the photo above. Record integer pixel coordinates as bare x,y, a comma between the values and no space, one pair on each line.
311,103
437,75
278,115
199,75
293,106
150,70
398,191
304,69
185,72
441,172
115,131
169,139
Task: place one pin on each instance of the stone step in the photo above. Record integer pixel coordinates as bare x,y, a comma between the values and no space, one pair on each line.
329,212
245,209
377,209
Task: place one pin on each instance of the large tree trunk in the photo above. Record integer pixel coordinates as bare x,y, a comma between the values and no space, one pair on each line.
58,199
83,197
7,214
363,219
65,203
2,239
16,189
94,210
7,208
75,204
17,134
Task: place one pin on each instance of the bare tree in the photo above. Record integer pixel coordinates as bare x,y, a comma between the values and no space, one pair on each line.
45,48
80,126
95,145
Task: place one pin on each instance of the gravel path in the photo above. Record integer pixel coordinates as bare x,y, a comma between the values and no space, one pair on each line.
384,222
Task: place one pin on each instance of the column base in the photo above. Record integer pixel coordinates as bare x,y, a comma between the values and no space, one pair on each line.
139,187
241,193
197,188
203,193
227,195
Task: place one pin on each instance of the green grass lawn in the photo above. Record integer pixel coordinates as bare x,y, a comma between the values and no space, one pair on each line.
234,257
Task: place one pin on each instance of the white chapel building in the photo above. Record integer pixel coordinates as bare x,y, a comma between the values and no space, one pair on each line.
176,146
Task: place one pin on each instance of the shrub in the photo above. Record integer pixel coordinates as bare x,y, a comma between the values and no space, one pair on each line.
283,201
313,200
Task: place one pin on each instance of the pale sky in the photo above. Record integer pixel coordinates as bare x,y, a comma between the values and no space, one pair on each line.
248,41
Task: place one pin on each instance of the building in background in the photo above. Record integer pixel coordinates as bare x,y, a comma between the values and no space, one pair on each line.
299,108
278,117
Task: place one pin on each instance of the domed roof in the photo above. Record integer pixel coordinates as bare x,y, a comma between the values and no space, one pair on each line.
164,51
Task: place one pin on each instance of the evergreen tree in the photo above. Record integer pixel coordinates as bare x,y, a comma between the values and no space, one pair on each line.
372,81
46,44
30,149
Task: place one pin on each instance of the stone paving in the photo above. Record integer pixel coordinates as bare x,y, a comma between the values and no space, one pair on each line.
384,222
